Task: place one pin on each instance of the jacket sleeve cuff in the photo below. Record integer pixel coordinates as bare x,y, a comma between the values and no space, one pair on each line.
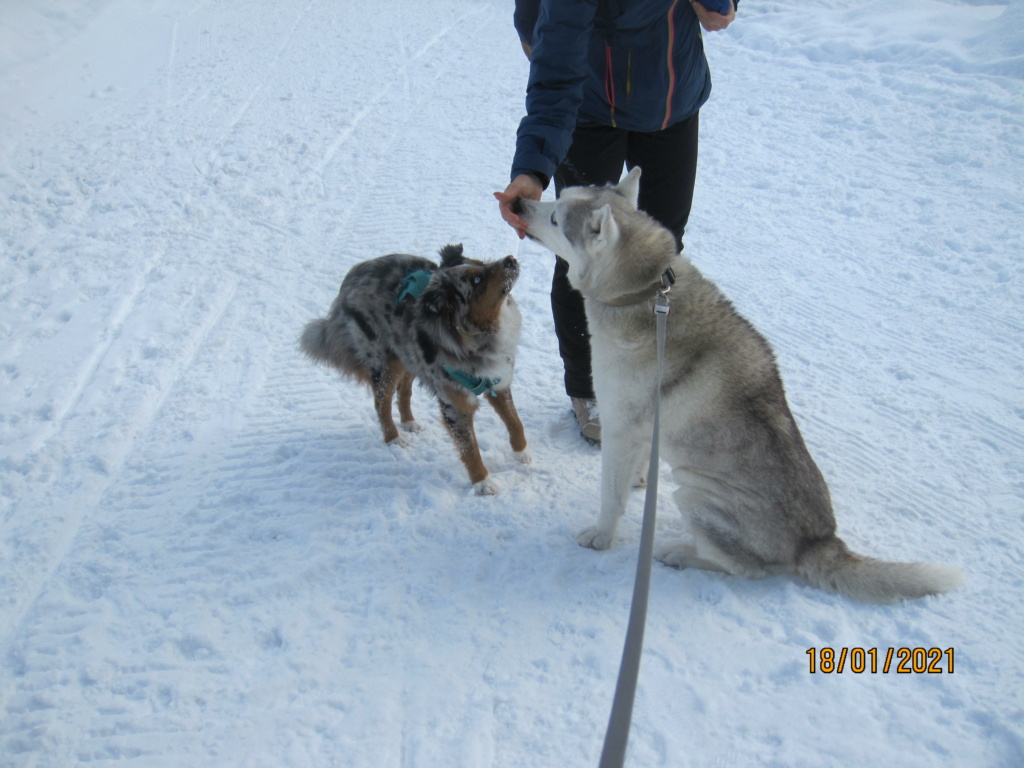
543,178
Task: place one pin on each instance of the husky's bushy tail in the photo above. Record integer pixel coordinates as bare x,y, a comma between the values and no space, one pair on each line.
831,566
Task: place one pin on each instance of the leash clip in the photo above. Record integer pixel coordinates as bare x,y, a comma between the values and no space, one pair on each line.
668,279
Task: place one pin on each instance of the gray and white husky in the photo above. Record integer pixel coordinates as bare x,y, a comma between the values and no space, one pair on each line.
755,502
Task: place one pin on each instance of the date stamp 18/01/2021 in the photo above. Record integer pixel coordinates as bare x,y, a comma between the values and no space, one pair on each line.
902,661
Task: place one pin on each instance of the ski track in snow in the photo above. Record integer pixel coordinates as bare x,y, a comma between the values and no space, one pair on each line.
208,557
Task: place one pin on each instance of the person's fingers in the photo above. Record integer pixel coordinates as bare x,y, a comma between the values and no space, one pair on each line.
505,201
713,21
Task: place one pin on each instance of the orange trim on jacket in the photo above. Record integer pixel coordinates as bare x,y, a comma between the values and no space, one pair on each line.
671,65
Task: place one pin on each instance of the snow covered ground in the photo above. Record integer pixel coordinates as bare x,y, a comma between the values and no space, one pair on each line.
208,557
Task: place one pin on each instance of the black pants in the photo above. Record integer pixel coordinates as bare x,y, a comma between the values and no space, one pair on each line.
668,160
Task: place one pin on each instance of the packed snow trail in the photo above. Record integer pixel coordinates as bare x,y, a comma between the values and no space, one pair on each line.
207,556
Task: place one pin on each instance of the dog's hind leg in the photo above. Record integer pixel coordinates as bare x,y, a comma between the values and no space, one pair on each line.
383,384
506,409
457,413
687,554
714,550
408,421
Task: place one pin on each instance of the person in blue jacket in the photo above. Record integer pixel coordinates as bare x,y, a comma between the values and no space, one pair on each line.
612,83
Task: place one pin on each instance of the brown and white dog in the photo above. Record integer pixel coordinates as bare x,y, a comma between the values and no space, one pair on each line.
454,327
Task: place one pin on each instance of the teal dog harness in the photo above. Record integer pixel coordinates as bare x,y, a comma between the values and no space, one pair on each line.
412,286
475,384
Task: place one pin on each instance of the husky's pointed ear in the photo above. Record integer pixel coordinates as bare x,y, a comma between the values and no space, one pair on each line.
629,187
451,256
603,227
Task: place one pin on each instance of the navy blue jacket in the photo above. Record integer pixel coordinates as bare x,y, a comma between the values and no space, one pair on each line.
633,64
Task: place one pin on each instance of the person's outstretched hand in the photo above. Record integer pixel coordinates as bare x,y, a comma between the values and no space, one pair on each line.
711,21
524,185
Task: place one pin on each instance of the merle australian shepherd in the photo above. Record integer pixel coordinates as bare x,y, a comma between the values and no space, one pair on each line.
454,327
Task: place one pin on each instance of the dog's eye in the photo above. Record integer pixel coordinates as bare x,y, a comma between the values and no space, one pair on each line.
477,280
553,222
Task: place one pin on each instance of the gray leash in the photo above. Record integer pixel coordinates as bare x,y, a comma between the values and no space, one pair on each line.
613,755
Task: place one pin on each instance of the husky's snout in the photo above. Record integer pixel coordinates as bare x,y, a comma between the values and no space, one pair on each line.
524,208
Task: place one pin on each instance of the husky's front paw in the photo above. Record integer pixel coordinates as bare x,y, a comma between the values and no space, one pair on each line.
485,488
411,426
523,456
398,440
594,538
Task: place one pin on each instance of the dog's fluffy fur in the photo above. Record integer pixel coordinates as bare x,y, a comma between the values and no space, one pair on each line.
754,499
464,324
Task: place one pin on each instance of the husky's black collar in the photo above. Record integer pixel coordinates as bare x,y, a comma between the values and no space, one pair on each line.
664,285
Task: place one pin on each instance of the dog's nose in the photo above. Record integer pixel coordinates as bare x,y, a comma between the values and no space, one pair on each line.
510,263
